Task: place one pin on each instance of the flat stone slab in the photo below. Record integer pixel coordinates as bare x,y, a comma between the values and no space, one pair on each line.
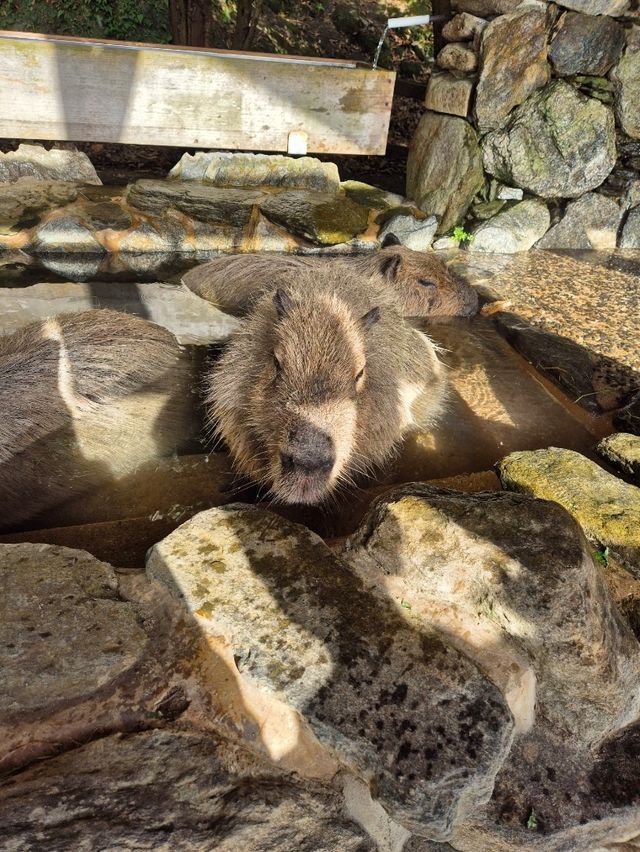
178,790
607,509
322,218
190,319
212,204
306,631
34,161
622,451
557,310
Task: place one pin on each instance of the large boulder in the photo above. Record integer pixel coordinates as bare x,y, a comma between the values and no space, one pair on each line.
170,790
513,64
626,78
26,198
612,8
444,168
250,170
512,230
210,204
324,219
591,222
66,235
585,44
34,161
378,688
622,451
558,143
485,8
607,509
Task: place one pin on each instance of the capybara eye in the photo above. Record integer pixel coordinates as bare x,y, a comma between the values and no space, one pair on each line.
425,282
276,363
360,375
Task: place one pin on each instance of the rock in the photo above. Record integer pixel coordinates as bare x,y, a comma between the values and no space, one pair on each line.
58,164
607,509
627,419
485,8
626,78
612,8
207,203
449,94
591,222
556,144
445,244
66,234
585,44
321,218
630,238
457,57
370,196
306,631
190,319
513,64
71,650
73,266
507,579
623,451
145,239
252,170
106,214
180,790
414,233
509,193
444,168
512,230
632,196
463,27
26,198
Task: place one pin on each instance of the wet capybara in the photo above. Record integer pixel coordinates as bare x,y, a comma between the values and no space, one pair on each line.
85,399
418,283
320,385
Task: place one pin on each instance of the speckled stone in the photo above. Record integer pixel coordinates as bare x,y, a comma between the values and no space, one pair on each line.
630,238
402,710
607,509
512,230
463,27
457,57
590,222
585,44
623,451
626,78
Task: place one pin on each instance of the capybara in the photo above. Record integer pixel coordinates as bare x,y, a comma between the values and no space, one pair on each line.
85,399
320,385
418,283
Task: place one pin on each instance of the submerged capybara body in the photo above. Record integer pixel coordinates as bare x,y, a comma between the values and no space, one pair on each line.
417,283
321,384
85,399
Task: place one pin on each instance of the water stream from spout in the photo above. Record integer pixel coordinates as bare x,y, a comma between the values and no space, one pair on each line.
379,47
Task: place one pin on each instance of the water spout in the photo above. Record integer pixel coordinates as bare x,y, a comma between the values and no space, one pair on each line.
395,23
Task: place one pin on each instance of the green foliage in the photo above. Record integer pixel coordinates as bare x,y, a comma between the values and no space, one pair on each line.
532,821
602,556
461,235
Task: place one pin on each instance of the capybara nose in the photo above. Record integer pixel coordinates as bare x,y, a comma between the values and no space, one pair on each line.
308,460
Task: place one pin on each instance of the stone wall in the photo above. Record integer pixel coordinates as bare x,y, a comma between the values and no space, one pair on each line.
532,130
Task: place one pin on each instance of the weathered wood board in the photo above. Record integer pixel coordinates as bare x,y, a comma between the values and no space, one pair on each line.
62,88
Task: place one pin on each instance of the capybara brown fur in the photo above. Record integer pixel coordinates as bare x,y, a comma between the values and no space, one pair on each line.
418,283
320,385
85,398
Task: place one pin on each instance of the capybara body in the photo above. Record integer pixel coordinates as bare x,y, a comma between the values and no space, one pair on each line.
417,283
321,384
85,399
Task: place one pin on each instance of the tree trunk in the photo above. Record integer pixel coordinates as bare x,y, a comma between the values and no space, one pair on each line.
190,22
247,17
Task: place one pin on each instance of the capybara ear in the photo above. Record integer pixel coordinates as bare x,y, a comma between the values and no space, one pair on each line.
370,318
390,240
283,303
390,266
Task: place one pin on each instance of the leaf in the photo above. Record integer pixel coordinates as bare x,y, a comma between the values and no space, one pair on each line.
532,821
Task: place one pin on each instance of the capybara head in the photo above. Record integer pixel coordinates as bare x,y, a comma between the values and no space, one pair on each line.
425,285
310,393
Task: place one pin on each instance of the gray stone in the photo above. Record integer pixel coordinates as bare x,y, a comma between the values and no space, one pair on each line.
34,161
512,230
190,319
251,170
513,64
170,790
556,144
66,234
414,233
370,196
323,219
463,27
632,196
626,78
101,215
27,197
485,8
623,451
444,168
306,631
591,222
607,509
612,8
73,266
630,238
449,94
457,57
585,44
509,193
498,575
208,203
445,244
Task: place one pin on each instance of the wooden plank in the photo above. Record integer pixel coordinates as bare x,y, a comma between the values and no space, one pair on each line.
62,88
